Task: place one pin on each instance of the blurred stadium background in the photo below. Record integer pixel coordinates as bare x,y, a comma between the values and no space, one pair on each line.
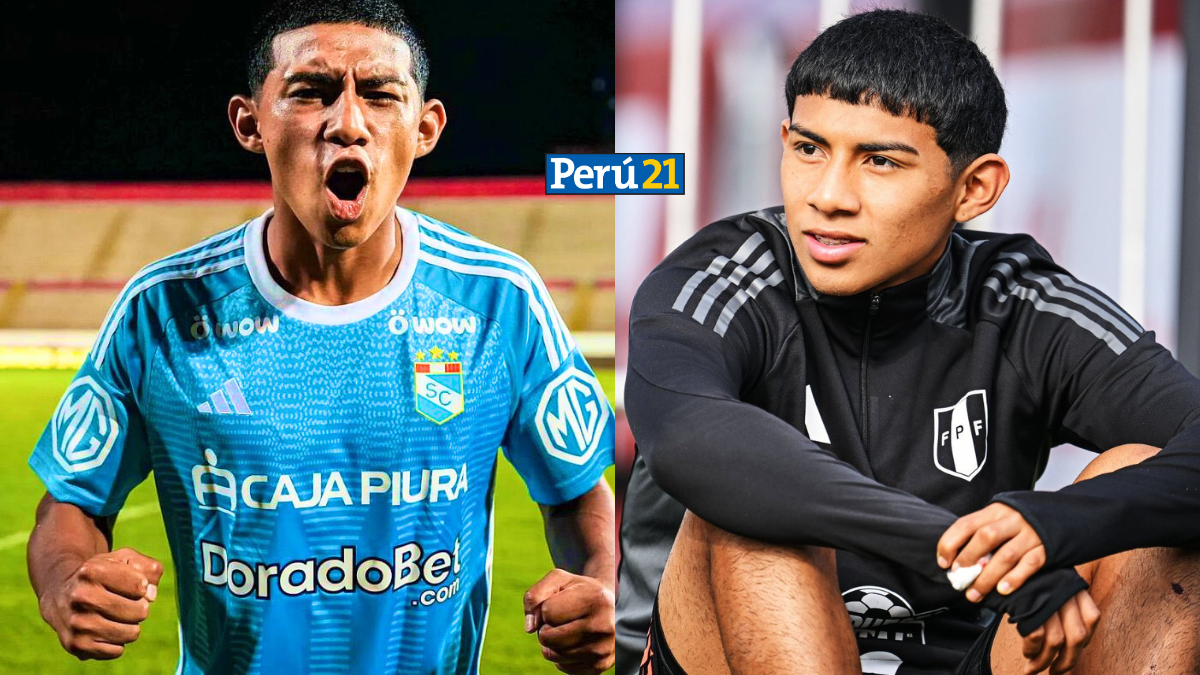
116,151
1102,106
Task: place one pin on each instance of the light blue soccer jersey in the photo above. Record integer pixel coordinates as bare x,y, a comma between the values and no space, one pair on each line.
326,473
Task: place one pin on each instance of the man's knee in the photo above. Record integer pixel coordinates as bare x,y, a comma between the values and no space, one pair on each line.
1117,458
776,604
1162,581
726,548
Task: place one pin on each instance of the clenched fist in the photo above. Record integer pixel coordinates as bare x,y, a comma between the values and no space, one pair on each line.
99,609
574,617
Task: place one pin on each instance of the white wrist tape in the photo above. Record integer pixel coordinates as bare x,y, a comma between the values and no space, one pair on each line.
962,578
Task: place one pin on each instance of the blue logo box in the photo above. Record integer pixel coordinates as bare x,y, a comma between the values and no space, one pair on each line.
630,173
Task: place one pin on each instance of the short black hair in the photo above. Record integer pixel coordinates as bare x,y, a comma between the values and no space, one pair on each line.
286,15
909,64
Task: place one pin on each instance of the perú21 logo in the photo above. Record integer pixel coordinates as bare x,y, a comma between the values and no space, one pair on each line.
572,416
84,427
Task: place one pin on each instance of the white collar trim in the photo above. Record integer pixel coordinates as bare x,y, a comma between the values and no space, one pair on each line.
330,315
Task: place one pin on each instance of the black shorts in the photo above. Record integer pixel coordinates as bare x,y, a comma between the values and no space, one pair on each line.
658,659
978,660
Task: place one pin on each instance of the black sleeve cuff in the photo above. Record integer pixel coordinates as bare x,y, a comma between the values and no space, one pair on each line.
1014,501
1039,598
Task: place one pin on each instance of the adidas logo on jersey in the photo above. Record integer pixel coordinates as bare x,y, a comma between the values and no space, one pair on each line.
813,424
731,283
227,400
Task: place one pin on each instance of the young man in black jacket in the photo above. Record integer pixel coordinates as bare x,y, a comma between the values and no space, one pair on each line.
826,386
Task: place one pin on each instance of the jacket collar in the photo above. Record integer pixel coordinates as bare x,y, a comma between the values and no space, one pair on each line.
937,294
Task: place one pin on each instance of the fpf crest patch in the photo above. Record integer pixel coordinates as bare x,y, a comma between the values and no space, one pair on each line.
960,436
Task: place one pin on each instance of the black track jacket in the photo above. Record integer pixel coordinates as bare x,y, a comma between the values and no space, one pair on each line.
870,423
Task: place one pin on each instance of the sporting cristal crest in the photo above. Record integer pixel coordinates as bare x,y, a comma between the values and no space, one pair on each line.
439,385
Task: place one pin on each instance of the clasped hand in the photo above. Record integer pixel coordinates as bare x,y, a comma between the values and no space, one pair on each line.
1000,538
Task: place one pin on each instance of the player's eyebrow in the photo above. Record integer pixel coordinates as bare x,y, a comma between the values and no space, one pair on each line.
381,80
797,129
886,146
892,146
327,80
322,79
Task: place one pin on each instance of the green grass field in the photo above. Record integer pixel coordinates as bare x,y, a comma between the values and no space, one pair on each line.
27,645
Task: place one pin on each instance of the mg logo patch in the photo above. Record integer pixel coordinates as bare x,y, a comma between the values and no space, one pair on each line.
571,416
84,426
439,388
960,435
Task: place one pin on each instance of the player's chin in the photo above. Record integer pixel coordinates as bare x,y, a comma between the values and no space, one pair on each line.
341,233
345,235
839,281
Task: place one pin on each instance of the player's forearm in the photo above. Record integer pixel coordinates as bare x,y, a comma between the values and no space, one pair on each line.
1154,503
572,608
750,473
580,534
62,539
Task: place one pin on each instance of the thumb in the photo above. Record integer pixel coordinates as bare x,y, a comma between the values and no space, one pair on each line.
547,586
148,566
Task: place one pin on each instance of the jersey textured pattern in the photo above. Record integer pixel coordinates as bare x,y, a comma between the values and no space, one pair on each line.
870,423
326,473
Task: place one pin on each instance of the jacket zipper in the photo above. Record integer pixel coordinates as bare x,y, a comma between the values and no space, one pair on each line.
862,371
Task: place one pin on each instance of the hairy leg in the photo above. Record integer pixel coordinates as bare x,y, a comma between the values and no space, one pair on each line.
686,608
734,605
1149,602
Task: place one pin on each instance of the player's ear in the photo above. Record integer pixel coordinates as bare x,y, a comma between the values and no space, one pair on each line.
784,127
980,186
429,129
243,116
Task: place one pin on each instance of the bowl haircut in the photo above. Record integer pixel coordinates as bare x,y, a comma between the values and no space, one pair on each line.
908,64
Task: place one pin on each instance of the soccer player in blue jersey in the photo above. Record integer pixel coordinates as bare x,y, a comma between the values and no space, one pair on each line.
320,393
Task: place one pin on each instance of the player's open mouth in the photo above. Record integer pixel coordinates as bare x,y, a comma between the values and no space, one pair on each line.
832,247
346,188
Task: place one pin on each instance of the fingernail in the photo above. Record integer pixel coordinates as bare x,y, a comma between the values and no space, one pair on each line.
528,623
1004,587
973,595
942,562
151,592
954,567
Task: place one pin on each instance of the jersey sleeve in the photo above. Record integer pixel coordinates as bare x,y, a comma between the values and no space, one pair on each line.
93,451
561,435
746,470
1103,381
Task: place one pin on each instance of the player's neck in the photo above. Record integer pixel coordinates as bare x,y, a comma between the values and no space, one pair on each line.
325,275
